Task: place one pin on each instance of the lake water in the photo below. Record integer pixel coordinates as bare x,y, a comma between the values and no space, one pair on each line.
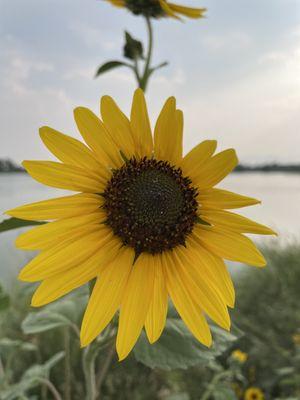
280,209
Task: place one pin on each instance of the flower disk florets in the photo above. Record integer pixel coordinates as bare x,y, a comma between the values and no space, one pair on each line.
149,8
150,205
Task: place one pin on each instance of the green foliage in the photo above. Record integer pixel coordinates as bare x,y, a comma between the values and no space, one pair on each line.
14,223
108,66
177,366
133,48
4,300
177,348
33,377
267,310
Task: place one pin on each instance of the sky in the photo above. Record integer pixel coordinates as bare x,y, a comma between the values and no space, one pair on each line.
235,74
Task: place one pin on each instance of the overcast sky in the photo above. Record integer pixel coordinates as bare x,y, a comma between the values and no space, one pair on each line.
236,74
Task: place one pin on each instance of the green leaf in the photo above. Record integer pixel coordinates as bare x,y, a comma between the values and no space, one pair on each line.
4,300
202,222
42,371
67,312
177,348
110,65
43,321
133,48
14,223
31,378
178,396
6,343
222,392
151,70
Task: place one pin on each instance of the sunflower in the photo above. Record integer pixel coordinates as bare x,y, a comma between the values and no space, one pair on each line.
239,355
147,223
254,393
296,338
158,8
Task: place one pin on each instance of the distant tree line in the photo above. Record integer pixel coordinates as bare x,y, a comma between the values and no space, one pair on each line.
274,167
7,165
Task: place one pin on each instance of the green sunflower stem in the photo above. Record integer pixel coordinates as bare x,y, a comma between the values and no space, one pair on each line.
95,376
144,80
89,373
67,388
216,379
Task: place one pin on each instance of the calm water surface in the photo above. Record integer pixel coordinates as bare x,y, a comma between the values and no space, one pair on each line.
280,209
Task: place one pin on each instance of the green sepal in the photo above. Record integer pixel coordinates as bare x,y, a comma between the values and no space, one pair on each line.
202,222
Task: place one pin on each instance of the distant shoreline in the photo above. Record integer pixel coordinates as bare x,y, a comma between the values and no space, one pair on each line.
8,166
266,168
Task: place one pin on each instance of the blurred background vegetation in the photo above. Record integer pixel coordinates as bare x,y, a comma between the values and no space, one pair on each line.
41,357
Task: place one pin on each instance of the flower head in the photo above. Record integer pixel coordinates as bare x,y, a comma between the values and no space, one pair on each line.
147,222
158,8
296,338
254,393
239,356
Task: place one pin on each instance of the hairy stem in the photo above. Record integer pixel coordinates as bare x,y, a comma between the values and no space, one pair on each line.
51,388
211,386
89,374
67,388
105,367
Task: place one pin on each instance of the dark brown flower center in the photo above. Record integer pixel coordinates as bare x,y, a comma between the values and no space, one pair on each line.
150,205
149,8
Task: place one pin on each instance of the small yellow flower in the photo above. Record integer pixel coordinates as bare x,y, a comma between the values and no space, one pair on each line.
239,356
158,8
237,390
296,338
254,393
147,222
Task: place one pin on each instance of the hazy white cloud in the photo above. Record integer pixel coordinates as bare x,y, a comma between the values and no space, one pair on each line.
232,41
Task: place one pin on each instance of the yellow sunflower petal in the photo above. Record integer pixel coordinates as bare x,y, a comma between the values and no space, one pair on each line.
140,125
65,176
188,11
234,222
197,157
61,284
189,311
69,150
202,290
97,137
117,3
219,198
65,255
167,9
45,235
53,288
178,138
61,207
212,269
118,126
107,296
135,304
216,169
168,133
157,313
229,245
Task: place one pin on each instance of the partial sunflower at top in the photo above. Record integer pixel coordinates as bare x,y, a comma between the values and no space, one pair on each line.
158,8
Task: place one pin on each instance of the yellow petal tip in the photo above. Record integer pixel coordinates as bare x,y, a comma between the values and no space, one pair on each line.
35,303
84,342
